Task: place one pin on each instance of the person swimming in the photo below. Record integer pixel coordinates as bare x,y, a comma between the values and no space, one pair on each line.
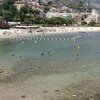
49,53
42,54
13,55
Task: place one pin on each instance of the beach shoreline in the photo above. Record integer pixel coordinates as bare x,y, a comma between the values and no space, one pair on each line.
18,33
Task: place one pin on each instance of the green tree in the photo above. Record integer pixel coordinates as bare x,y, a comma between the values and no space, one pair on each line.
35,12
38,20
16,18
70,21
24,9
92,23
84,23
8,9
46,9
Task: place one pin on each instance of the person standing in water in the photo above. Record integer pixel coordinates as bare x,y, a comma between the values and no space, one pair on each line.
78,49
49,53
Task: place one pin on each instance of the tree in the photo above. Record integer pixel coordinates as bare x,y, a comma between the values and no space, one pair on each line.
46,9
24,9
92,23
35,12
70,21
84,23
8,10
38,20
16,18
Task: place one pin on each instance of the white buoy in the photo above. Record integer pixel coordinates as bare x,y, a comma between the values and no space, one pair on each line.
43,38
47,38
28,38
40,39
67,38
64,39
51,38
22,42
55,38
35,41
60,39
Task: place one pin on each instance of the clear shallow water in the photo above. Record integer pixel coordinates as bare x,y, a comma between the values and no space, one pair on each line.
24,60
60,49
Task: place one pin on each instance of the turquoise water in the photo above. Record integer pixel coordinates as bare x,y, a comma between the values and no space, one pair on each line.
63,50
13,52
22,60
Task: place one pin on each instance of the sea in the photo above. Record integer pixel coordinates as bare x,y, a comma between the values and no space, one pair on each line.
69,62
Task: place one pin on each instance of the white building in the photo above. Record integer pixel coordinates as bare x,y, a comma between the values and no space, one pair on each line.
19,4
58,14
93,16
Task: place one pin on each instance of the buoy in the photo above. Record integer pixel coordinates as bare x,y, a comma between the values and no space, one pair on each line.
35,41
22,42
47,38
52,39
67,38
64,39
43,38
1,70
55,38
78,46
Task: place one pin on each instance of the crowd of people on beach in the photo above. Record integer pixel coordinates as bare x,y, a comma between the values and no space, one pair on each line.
16,33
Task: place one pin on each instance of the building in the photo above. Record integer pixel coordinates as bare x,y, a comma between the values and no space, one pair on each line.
58,14
1,2
19,4
93,16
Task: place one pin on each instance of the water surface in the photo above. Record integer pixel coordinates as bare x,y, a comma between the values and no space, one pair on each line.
24,66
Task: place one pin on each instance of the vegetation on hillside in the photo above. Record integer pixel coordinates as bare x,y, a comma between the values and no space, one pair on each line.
28,15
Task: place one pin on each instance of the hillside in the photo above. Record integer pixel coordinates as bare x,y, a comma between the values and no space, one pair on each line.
93,3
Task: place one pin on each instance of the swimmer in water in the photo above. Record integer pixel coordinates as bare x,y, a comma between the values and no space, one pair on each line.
49,53
20,57
42,54
13,55
78,49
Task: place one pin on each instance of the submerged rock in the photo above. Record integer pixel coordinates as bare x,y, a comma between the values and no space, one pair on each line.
97,96
23,96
